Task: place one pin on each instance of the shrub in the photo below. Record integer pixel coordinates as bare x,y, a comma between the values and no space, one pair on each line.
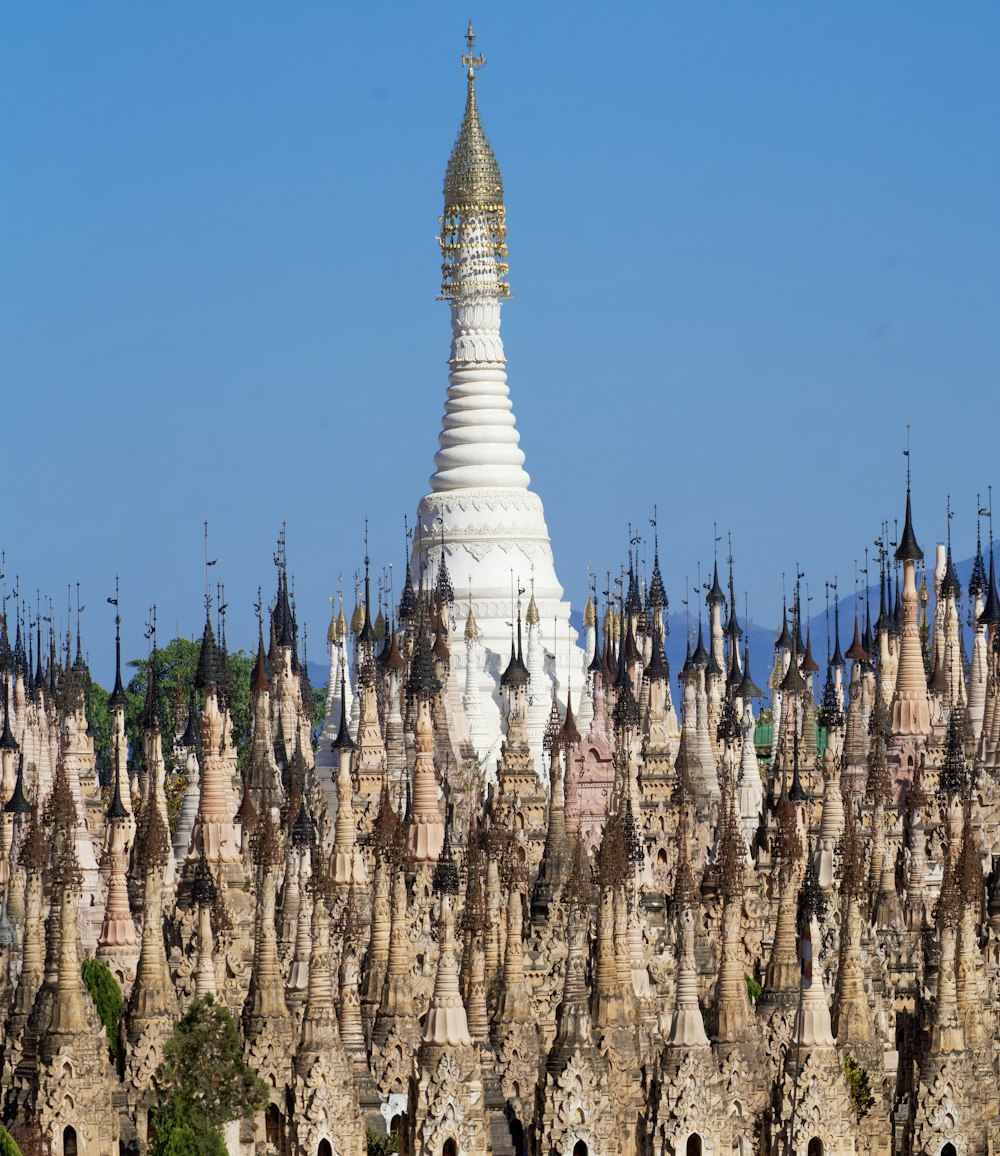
381,1145
8,1147
858,1085
107,997
754,990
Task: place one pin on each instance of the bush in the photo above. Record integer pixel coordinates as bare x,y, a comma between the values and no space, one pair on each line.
8,1147
860,1089
203,1083
754,990
381,1145
182,1130
107,997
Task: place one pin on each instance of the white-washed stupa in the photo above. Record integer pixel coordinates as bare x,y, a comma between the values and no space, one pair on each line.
481,514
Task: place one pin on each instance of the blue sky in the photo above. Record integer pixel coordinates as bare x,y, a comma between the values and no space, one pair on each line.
747,243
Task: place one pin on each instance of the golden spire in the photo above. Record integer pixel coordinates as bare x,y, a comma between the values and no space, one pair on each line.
532,617
473,177
471,626
331,634
473,196
590,613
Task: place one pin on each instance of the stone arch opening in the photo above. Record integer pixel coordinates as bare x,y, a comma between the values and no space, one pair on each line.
450,1148
274,1128
517,1138
693,1145
949,1150
70,1147
325,1148
580,1148
815,1147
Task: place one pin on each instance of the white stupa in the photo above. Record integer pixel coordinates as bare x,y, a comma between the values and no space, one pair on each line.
480,511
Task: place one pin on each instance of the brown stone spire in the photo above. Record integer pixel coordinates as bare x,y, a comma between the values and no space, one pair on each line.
326,1100
265,1012
214,828
68,1016
474,926
397,998
204,894
352,1031
516,1004
851,1013
446,1023
555,862
974,1011
575,1027
608,998
387,837
118,941
34,860
320,1029
153,997
425,835
347,863
911,716
731,1000
782,981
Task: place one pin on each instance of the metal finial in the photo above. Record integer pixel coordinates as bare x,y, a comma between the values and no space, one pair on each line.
469,59
906,454
208,596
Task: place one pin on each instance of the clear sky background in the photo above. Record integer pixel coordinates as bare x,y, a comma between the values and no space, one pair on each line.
747,243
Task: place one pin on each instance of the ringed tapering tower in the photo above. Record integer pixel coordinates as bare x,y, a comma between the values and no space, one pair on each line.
480,514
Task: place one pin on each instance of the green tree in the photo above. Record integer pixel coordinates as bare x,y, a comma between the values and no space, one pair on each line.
319,708
203,1083
107,997
8,1146
175,668
99,722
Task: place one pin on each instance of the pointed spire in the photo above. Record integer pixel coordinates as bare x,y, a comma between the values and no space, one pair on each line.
715,595
747,689
784,638
856,651
700,656
597,661
17,804
837,662
977,579
793,682
367,635
991,611
117,696
809,664
908,550
7,740
117,809
343,741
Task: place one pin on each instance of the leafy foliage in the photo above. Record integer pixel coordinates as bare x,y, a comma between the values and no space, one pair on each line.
381,1145
319,709
754,990
182,1130
203,1083
99,724
175,667
860,1089
8,1146
107,997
